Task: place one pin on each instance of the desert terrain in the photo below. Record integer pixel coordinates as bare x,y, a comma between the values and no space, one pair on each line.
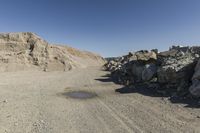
46,88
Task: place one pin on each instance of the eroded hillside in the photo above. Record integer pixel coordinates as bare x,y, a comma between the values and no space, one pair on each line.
27,51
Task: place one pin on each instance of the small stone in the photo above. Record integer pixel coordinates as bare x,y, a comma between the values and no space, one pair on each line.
35,124
16,124
42,121
5,101
8,116
198,116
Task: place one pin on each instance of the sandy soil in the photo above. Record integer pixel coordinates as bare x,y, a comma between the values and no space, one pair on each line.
36,102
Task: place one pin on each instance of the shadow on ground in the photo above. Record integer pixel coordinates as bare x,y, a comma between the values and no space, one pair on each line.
144,90
140,89
189,102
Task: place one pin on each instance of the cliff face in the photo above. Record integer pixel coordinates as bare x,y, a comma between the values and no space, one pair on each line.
27,51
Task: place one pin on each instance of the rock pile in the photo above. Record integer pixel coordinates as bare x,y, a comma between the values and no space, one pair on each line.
27,51
169,72
134,67
176,68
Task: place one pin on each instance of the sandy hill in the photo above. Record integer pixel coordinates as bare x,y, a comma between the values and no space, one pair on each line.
27,51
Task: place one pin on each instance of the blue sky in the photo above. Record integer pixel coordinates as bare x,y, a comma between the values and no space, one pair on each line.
108,27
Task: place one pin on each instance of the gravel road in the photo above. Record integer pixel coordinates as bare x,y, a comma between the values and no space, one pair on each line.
44,102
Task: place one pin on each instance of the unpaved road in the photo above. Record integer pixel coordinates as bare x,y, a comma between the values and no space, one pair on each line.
35,102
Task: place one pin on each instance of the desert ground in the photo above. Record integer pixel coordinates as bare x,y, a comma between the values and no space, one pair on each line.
38,102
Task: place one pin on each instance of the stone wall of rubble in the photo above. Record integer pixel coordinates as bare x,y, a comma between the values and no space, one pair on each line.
170,72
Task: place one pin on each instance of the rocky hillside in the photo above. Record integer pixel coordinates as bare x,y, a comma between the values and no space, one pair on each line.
174,72
27,51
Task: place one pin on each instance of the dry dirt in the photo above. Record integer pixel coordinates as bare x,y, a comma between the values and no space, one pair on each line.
39,102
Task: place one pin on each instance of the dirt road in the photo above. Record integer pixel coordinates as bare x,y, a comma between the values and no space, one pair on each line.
37,102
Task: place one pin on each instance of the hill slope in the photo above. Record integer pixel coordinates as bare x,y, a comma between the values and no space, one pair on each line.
27,51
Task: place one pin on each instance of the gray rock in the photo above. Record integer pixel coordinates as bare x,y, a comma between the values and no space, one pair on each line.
137,70
149,72
195,87
166,75
197,71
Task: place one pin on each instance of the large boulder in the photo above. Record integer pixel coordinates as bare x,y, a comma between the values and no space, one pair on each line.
145,55
137,69
195,87
142,55
149,72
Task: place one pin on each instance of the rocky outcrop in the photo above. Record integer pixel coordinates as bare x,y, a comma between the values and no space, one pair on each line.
176,68
27,51
169,72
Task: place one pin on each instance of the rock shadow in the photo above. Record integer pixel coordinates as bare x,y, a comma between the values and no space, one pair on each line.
189,102
145,90
103,79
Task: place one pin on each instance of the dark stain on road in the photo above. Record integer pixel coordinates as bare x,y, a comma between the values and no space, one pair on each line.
79,94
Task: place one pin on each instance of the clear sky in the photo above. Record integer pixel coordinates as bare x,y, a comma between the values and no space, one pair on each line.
108,27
